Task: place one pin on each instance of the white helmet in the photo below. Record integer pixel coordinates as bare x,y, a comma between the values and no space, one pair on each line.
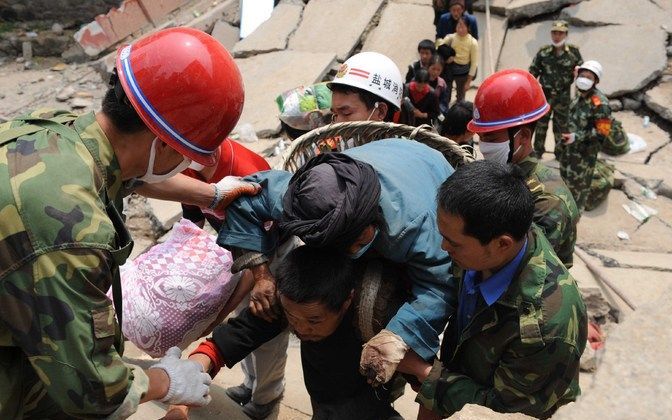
593,66
372,72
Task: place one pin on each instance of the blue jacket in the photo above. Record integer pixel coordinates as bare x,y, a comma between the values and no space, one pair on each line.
410,174
447,25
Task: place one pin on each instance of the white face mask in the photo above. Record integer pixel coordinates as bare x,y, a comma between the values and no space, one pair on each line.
584,83
558,44
151,178
196,166
498,152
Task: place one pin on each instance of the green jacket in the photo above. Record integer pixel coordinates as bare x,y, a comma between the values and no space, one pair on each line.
590,120
556,72
555,211
62,240
522,353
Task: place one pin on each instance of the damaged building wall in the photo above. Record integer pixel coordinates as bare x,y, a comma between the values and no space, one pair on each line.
56,10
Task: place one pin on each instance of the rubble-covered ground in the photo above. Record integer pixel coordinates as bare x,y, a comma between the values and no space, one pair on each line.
303,42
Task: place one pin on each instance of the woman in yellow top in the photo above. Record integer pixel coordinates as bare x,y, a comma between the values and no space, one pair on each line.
465,62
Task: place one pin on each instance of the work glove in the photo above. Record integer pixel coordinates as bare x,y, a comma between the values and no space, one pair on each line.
380,357
189,385
227,190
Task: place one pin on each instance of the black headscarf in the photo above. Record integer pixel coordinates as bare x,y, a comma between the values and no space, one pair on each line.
330,201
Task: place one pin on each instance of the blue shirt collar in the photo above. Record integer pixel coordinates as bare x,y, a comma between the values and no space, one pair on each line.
494,287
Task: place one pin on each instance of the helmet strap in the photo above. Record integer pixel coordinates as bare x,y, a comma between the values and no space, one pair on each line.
512,136
118,88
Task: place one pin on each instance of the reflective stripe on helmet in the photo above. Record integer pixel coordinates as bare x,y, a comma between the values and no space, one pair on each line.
523,117
137,93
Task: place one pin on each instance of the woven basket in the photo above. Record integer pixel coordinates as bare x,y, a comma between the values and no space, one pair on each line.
343,136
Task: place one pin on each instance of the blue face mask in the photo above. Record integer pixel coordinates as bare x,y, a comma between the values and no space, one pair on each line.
365,248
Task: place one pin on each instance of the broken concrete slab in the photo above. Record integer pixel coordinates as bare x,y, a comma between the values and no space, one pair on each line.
639,259
652,236
522,9
420,2
615,12
662,158
401,21
334,26
262,84
479,412
206,21
166,213
273,34
654,136
644,64
635,376
498,29
227,34
497,7
598,228
659,99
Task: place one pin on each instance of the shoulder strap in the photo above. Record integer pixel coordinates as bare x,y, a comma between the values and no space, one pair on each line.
37,124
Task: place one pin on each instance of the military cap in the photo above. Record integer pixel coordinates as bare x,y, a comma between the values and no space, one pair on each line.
560,26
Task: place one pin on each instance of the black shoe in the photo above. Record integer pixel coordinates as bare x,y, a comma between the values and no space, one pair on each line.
394,415
260,411
240,394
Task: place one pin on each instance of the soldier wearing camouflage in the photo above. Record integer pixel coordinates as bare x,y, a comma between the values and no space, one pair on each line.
522,353
62,236
555,211
61,240
554,65
520,326
589,126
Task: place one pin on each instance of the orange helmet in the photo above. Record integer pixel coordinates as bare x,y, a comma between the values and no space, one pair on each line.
186,88
508,98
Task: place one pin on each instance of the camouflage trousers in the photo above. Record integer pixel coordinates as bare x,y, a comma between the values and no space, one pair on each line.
601,184
22,394
577,165
560,114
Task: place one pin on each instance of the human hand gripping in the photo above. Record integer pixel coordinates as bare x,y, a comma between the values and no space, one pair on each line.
262,296
380,357
227,190
189,385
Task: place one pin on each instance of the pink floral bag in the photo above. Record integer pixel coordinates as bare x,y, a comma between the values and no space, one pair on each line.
174,291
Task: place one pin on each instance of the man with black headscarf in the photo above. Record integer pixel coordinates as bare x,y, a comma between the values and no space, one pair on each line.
377,198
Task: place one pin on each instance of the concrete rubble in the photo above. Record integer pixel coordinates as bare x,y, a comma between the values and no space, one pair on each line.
634,378
599,44
304,40
273,34
334,26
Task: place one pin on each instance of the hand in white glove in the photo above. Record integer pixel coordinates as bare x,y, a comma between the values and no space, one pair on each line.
227,190
189,385
380,357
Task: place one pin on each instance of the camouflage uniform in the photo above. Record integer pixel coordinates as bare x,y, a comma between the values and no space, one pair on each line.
556,75
62,239
555,211
590,121
522,353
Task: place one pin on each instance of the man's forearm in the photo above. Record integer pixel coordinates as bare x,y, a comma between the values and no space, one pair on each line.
159,382
182,189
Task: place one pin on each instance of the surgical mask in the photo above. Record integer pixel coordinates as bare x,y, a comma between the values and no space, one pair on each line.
375,107
498,152
151,178
558,44
584,83
365,248
196,166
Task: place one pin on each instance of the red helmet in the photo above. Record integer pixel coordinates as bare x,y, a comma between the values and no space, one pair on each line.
186,88
508,98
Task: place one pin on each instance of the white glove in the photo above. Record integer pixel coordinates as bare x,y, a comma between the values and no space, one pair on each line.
227,190
189,385
380,357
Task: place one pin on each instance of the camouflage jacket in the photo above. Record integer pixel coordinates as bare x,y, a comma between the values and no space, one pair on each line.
555,211
556,72
61,241
522,353
590,119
